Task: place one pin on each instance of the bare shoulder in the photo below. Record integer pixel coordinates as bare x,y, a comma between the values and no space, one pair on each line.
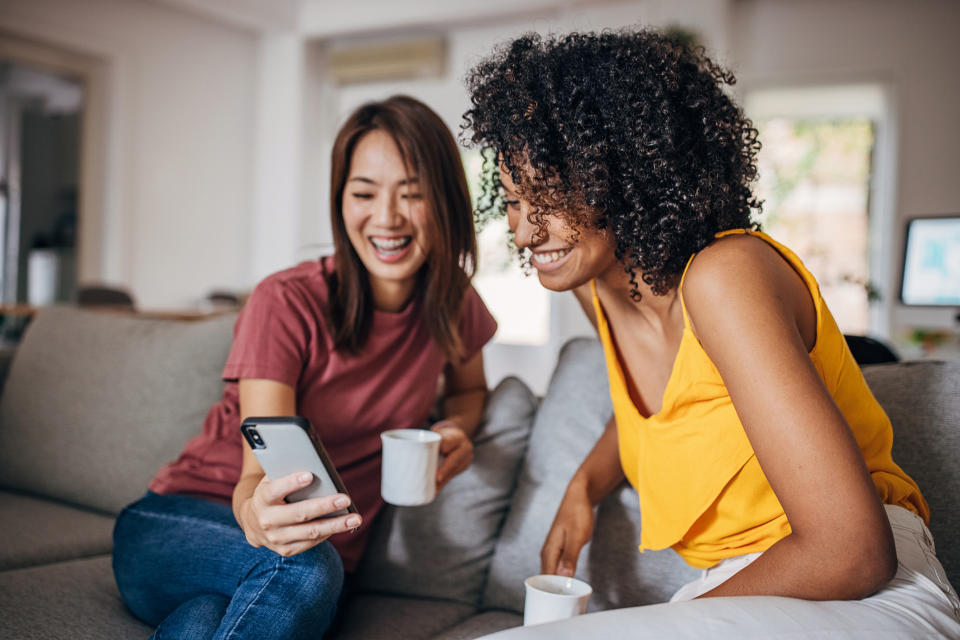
732,256
743,273
735,263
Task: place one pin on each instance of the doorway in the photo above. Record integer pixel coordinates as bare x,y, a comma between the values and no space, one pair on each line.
40,136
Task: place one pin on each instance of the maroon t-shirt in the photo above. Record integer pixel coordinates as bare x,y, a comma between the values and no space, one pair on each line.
280,335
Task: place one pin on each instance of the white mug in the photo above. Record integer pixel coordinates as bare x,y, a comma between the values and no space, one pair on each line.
550,598
409,473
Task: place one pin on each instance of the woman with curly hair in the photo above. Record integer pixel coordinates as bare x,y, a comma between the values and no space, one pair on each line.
740,417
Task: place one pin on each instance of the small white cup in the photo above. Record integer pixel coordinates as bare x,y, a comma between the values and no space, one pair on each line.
550,598
409,473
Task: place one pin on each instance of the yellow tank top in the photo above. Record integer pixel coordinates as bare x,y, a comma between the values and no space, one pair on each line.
701,488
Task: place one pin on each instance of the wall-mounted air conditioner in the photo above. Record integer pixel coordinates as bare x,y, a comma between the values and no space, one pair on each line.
373,61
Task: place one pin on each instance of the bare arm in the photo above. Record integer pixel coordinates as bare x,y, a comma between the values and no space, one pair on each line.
464,399
598,475
572,527
752,314
600,472
465,394
259,505
258,398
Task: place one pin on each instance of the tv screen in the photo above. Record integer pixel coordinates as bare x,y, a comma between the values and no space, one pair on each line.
931,263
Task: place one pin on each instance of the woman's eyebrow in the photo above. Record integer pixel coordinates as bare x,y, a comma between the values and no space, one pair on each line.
366,180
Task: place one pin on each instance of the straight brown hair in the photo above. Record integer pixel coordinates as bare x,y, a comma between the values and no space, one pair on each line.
430,152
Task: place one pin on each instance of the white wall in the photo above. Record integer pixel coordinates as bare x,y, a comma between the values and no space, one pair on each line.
911,48
277,156
216,138
177,163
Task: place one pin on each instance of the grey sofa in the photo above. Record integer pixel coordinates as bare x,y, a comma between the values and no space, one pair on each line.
94,403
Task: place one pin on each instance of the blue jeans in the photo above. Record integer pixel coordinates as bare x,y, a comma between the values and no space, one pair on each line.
184,566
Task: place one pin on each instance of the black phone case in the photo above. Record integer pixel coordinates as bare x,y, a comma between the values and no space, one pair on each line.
289,444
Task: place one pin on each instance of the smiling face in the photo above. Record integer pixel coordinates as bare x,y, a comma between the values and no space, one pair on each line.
564,258
385,218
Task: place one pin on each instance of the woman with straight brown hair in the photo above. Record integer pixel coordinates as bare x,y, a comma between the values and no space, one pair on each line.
356,343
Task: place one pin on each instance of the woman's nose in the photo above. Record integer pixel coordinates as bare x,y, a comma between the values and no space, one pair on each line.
387,212
523,229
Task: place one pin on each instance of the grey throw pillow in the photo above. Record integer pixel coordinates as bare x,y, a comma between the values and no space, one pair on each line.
97,402
443,549
571,418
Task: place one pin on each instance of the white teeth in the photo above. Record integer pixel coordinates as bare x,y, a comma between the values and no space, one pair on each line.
552,256
390,245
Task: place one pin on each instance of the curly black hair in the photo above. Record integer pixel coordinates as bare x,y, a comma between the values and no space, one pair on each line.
626,130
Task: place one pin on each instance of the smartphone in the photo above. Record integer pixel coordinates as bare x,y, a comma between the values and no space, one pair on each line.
284,445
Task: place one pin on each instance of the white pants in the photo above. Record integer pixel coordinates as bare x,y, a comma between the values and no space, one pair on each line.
918,603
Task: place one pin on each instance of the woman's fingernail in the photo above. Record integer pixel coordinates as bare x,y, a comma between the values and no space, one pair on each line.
353,521
305,477
341,502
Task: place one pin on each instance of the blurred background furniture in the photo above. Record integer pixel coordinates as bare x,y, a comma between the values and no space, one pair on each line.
103,296
223,300
867,350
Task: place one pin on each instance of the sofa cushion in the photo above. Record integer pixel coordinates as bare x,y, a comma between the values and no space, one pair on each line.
119,392
922,399
38,531
443,549
481,625
570,420
374,617
76,600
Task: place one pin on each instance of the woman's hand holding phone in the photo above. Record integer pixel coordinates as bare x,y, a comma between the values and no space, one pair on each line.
291,528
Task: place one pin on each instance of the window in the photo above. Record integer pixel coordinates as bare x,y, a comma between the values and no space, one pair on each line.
518,301
817,180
